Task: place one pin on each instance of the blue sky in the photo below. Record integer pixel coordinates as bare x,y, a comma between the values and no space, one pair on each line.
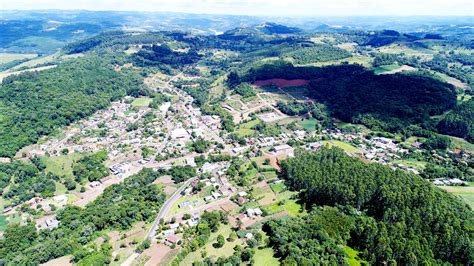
263,7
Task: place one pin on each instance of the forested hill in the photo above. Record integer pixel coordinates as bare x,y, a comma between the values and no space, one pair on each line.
34,104
355,94
389,215
459,122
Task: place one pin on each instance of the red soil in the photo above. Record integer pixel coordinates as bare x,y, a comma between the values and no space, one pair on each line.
282,83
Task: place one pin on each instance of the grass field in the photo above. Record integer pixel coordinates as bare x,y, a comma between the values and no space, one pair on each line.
38,61
9,57
385,68
61,165
459,143
277,188
309,124
245,129
290,206
141,102
465,192
265,257
468,197
345,146
413,163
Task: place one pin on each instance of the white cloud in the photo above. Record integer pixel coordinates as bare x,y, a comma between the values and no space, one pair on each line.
262,7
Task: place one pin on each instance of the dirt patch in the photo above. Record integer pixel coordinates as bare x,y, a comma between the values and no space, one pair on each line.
282,83
458,189
156,253
400,69
66,260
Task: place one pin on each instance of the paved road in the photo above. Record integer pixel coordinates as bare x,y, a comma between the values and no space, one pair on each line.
166,207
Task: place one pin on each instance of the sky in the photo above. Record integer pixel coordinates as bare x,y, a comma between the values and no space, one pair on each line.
262,7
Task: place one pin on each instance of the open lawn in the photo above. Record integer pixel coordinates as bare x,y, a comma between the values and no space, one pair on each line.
245,129
468,197
309,124
420,165
345,146
265,257
385,68
462,144
277,188
9,57
465,192
61,165
141,102
291,206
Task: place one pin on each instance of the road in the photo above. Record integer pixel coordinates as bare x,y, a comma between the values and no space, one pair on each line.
166,207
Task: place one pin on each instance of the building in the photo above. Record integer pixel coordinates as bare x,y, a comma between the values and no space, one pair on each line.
172,240
284,149
51,223
179,134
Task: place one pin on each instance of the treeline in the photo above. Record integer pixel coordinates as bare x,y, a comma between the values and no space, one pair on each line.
34,104
25,181
397,216
459,122
121,205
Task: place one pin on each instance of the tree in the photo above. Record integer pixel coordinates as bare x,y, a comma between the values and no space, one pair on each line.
220,242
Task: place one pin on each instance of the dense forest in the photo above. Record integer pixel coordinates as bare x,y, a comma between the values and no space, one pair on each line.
459,122
355,94
136,199
156,55
34,104
25,181
397,216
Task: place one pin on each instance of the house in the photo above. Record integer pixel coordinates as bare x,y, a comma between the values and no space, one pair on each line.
208,198
190,161
216,195
51,223
174,226
61,199
172,240
193,221
242,200
251,212
242,194
184,204
249,236
168,232
438,182
242,217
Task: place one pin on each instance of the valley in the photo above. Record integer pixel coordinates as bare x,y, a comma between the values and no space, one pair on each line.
264,145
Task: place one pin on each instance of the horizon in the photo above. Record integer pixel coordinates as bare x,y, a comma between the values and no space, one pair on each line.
260,8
